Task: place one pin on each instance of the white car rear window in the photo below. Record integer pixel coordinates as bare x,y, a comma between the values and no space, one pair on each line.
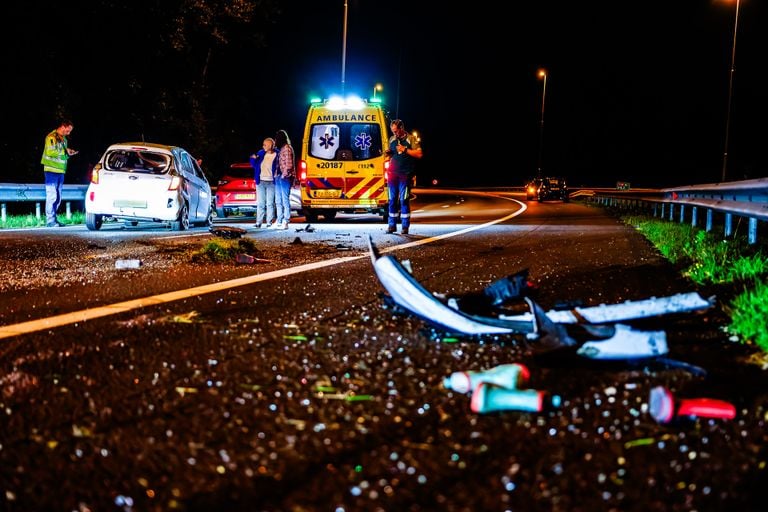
137,160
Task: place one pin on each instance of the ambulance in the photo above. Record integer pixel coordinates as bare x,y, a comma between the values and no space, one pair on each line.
343,163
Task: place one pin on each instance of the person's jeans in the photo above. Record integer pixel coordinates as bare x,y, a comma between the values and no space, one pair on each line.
53,183
283,199
399,200
265,202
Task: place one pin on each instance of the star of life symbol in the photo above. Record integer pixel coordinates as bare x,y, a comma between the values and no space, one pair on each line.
363,141
326,141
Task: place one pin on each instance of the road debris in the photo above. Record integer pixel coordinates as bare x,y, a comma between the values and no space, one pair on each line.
490,398
508,376
307,229
592,330
646,308
411,296
227,231
247,259
661,406
625,344
127,264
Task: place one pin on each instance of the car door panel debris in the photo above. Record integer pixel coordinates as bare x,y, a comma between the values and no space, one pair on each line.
592,331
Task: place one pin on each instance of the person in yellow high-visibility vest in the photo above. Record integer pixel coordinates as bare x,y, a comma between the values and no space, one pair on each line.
54,160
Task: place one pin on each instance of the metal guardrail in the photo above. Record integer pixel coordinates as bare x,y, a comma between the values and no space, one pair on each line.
35,192
747,198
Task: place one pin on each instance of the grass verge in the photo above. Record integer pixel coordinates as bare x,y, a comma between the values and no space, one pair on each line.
710,260
30,221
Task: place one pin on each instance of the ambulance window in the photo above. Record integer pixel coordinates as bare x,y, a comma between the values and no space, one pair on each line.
325,141
364,141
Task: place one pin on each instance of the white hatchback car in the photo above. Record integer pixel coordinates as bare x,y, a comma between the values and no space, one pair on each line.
137,181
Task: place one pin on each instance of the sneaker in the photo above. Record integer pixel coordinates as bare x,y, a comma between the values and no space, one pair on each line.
277,225
391,229
285,225
54,224
258,224
404,231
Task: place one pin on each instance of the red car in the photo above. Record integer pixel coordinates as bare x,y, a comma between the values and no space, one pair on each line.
236,192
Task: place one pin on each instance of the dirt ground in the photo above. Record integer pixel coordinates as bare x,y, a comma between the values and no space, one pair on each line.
353,415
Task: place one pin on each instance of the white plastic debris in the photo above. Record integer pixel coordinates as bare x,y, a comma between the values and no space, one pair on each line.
607,313
127,264
627,343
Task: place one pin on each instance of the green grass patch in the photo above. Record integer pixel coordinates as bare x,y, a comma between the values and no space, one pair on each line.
30,221
749,315
219,251
710,260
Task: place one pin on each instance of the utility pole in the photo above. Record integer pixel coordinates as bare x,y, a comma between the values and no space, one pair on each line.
344,48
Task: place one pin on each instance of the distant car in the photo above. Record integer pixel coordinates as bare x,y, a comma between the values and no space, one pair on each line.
137,181
236,192
553,188
532,189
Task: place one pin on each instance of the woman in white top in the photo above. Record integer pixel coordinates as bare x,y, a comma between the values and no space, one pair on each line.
264,165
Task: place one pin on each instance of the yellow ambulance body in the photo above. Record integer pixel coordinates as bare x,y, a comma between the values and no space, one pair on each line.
343,164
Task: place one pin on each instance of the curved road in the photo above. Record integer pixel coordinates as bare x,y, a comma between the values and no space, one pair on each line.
276,387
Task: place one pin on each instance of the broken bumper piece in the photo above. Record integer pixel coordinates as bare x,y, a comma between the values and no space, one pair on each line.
606,339
407,293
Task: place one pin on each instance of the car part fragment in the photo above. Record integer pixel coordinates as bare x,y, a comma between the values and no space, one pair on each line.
411,296
592,330
629,310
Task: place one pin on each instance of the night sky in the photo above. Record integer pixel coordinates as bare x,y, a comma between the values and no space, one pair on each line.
636,91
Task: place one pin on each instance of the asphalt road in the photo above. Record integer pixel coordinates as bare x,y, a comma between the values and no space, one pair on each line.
292,385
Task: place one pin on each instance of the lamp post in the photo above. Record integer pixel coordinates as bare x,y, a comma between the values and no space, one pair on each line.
542,75
730,91
344,48
377,87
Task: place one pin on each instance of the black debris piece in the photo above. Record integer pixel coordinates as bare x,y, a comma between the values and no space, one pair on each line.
227,231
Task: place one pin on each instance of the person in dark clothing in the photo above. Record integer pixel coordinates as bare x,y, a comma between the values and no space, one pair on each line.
404,150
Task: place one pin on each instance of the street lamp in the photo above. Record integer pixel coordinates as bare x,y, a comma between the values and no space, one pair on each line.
377,87
344,48
542,75
730,91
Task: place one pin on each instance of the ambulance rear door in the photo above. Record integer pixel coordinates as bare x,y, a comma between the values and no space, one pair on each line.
345,163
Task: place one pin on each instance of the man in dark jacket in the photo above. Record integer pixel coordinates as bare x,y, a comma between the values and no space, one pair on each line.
404,150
